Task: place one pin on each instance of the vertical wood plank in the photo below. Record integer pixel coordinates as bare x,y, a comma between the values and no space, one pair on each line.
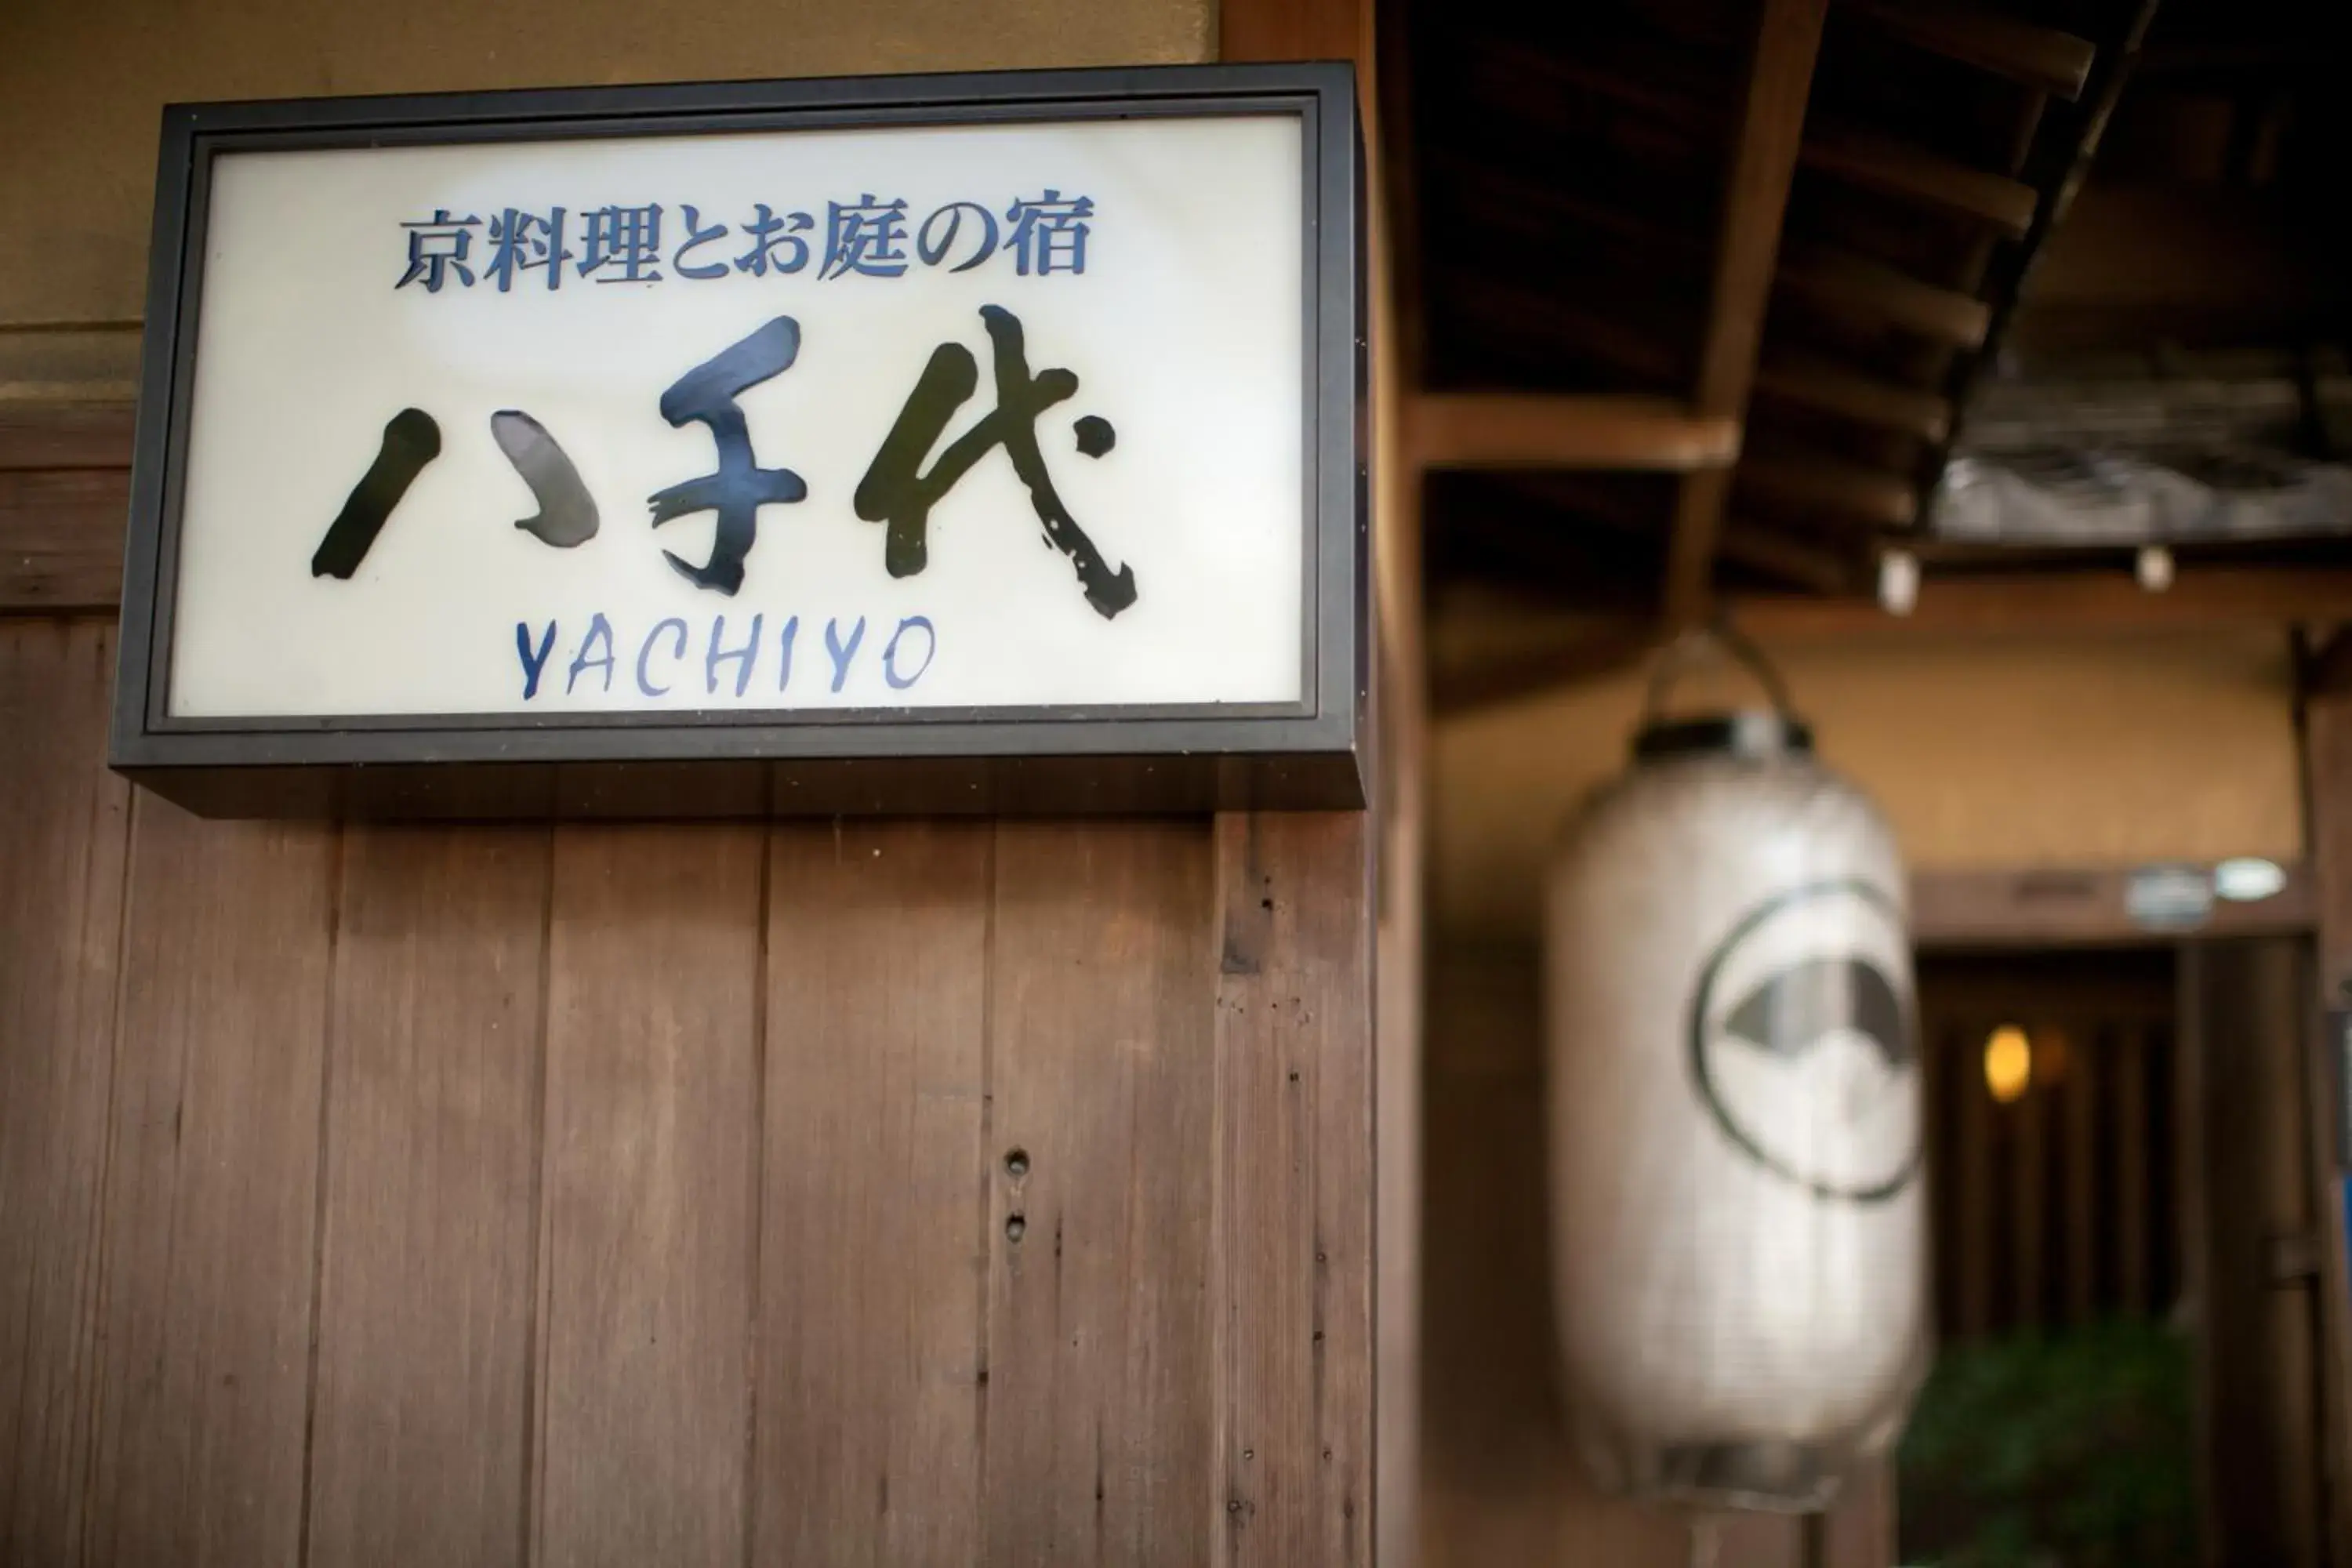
1937,1059
435,1056
205,1298
1101,1029
872,1248
2029,1208
1387,1030
2135,1176
1294,1100
63,837
2080,1143
647,1256
1975,1176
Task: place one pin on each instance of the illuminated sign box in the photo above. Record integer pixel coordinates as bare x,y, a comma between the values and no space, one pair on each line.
919,444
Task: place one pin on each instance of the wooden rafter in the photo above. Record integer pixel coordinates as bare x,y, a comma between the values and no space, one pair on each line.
1851,153
1898,169
1764,162
1779,554
1831,489
1505,430
2040,58
1857,287
1826,387
1834,282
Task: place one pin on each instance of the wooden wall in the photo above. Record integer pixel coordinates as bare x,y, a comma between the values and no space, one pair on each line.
850,1192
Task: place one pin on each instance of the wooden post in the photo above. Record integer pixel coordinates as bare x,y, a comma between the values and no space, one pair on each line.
2326,722
2242,1039
1349,29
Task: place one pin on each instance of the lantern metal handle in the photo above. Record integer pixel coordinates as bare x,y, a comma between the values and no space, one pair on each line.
1723,638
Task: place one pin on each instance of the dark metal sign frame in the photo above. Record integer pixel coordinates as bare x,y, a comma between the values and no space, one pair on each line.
1312,754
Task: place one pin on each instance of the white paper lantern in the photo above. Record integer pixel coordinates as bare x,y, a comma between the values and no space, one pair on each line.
1737,1207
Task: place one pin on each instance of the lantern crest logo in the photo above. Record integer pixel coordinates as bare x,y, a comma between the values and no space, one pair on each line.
1803,1041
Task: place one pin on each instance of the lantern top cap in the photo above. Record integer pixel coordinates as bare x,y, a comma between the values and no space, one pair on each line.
1754,734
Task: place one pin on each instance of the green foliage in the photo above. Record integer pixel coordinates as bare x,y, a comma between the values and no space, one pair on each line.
2060,1451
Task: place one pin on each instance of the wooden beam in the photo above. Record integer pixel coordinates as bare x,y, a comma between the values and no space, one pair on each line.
1823,387
1495,430
2040,58
1925,179
1813,484
2047,907
1764,160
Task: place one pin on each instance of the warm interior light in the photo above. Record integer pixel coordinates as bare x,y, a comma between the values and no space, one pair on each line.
2007,1063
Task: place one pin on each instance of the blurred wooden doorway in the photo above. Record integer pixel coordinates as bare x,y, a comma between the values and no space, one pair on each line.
2126,1158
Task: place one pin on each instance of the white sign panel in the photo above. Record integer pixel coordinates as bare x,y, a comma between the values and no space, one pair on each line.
921,443
995,417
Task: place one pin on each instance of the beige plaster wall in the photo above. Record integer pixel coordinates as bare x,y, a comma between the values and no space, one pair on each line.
82,83
2092,749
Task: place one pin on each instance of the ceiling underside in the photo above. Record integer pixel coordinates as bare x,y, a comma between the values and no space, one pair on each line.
1638,238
